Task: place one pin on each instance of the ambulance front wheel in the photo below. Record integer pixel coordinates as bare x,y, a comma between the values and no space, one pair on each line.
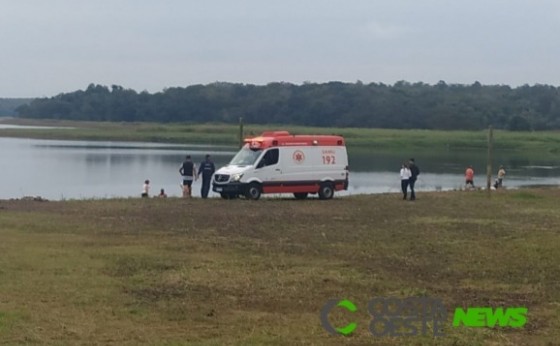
253,191
326,191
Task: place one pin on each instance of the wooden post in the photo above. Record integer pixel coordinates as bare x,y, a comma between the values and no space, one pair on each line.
489,160
240,132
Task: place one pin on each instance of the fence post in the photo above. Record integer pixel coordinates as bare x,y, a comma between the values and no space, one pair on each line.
489,159
240,132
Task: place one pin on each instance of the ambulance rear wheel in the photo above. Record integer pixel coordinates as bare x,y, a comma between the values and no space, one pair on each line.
300,195
253,191
326,191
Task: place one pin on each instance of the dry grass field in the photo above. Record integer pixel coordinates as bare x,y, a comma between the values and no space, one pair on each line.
217,272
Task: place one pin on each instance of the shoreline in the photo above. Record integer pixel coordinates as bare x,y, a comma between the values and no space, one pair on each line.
286,197
542,143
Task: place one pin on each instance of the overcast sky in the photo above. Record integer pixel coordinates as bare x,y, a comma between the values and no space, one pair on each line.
54,46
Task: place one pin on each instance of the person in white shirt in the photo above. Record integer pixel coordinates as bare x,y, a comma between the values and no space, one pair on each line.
146,188
405,175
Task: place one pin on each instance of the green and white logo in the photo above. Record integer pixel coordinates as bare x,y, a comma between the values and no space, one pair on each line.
344,303
415,316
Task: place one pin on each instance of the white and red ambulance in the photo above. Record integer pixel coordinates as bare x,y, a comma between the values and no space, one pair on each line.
277,162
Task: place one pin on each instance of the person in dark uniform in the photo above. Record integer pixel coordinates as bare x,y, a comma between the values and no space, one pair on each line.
206,169
188,171
414,172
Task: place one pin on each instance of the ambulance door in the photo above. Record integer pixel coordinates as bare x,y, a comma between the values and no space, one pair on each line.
268,169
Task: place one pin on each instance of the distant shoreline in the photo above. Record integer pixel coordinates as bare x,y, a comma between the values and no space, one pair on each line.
541,143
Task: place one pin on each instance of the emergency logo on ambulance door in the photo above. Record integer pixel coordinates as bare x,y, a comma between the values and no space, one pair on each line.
298,156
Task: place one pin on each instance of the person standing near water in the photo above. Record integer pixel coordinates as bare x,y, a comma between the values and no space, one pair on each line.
188,171
405,175
469,177
414,173
501,175
146,188
206,169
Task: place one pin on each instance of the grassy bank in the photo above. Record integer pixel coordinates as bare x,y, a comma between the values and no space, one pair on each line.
214,272
544,143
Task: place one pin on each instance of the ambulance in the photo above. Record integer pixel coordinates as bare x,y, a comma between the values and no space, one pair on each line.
278,162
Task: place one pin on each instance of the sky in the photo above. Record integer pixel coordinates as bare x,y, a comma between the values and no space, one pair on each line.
56,46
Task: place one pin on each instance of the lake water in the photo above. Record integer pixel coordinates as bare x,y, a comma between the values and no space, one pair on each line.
56,169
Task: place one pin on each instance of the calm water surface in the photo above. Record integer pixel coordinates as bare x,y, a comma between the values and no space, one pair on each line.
56,169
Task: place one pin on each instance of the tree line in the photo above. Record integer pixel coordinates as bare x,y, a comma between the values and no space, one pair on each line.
8,106
402,105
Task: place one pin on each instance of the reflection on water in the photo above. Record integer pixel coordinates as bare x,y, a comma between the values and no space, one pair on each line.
9,126
82,169
85,169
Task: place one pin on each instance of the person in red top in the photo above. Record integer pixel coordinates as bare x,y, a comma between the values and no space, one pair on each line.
469,176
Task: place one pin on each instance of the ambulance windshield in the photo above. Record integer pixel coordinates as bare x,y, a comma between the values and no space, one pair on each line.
245,157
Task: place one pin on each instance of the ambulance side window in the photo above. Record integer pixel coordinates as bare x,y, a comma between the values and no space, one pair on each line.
270,158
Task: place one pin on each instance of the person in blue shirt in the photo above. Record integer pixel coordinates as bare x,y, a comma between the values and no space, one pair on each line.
414,172
206,169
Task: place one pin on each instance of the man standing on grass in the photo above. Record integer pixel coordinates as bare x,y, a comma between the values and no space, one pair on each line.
414,173
207,170
188,171
405,175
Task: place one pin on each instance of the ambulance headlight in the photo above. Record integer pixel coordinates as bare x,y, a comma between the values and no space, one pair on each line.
236,177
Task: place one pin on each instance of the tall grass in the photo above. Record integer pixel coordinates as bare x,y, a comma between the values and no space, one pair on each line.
546,142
